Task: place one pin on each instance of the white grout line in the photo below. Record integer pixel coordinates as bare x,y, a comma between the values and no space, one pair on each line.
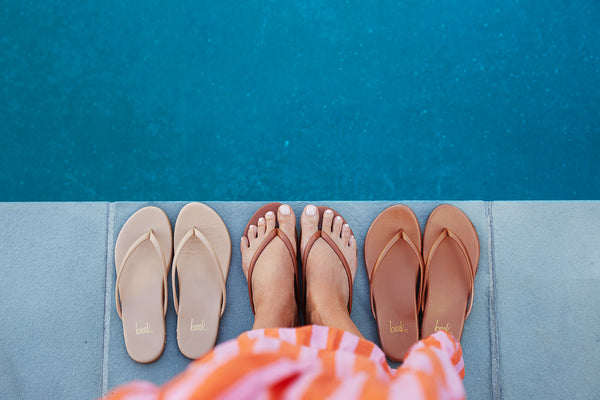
495,355
107,296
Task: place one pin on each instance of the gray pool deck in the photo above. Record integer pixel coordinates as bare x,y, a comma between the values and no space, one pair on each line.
534,331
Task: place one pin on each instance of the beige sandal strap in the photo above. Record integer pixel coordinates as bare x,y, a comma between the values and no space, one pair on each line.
195,232
400,235
268,239
154,240
320,234
446,233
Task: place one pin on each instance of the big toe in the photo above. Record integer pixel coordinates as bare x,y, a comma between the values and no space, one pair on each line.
309,223
287,222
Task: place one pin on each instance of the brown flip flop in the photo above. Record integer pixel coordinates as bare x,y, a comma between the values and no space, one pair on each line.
142,254
271,236
200,266
325,236
451,253
395,270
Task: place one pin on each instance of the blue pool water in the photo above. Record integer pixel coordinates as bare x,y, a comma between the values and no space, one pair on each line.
259,100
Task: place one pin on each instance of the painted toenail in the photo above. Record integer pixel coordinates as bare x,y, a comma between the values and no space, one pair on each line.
328,212
338,218
311,210
285,210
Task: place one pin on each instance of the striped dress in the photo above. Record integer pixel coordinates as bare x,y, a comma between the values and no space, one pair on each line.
312,362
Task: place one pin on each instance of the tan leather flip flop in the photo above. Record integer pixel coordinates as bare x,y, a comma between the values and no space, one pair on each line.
451,253
395,270
326,237
200,269
275,233
142,254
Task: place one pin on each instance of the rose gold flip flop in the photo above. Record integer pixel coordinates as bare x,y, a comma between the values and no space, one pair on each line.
395,270
142,254
200,269
451,253
275,233
326,237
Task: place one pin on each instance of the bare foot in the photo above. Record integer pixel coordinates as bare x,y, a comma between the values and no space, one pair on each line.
274,272
326,283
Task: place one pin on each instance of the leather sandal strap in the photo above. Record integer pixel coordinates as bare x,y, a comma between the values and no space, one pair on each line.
195,232
400,235
154,240
447,233
320,234
290,247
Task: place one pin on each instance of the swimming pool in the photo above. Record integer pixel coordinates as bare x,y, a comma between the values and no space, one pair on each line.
307,100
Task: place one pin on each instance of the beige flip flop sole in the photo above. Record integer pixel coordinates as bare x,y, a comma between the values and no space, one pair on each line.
394,266
451,253
142,252
200,265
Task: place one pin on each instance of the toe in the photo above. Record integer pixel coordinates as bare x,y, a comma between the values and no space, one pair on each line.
346,233
262,224
252,232
351,255
309,223
327,221
245,244
270,217
337,227
352,242
287,222
245,248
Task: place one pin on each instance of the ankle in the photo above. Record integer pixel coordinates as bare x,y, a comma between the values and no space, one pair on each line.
334,316
275,312
326,313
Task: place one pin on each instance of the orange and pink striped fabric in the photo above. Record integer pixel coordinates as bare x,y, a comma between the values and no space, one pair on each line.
312,362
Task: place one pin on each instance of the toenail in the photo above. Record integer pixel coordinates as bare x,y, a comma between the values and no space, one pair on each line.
338,218
346,226
270,214
261,220
328,212
285,210
311,210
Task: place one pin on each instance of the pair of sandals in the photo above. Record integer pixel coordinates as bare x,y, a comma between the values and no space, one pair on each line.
419,287
199,269
278,233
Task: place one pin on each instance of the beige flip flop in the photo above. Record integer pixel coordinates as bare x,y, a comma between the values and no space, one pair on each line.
451,253
325,236
395,270
200,266
142,254
275,233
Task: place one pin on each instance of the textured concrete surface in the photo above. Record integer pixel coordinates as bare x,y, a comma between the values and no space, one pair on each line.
52,263
534,311
547,263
